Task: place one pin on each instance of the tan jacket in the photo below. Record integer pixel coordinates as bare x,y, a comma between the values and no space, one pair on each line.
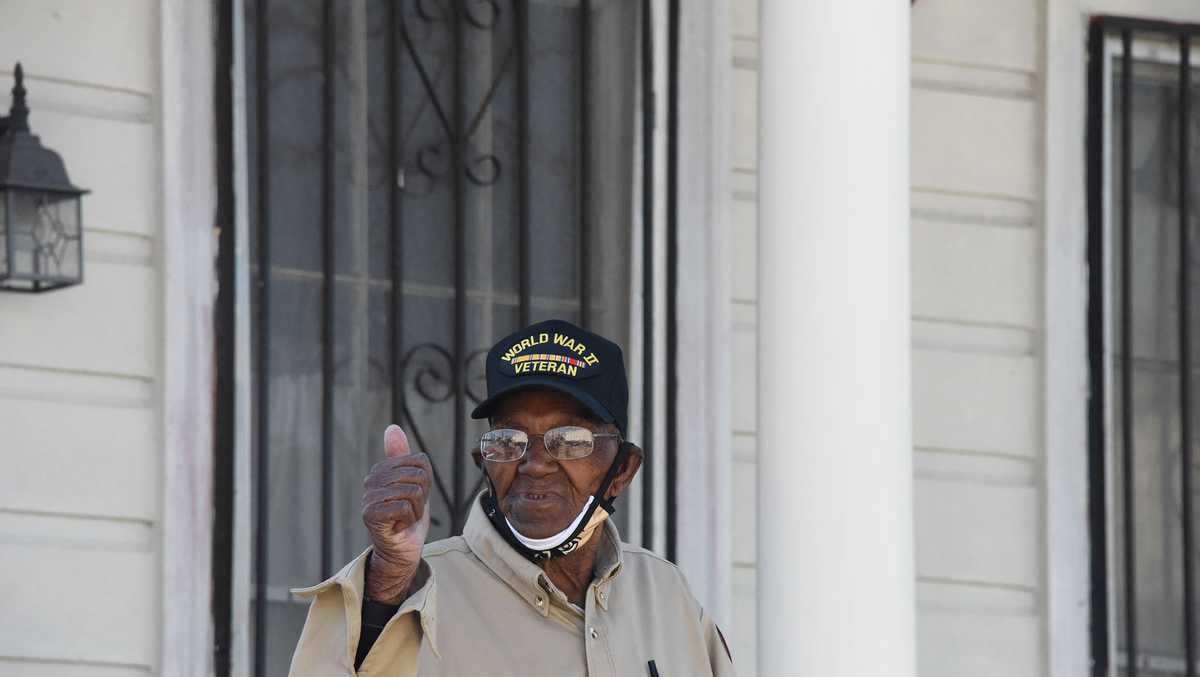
486,610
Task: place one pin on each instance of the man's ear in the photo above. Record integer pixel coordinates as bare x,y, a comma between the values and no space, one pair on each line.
629,470
477,457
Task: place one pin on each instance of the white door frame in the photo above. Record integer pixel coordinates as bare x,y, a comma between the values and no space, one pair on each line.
188,208
705,323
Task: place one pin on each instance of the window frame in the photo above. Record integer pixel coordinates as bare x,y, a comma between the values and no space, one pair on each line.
1107,41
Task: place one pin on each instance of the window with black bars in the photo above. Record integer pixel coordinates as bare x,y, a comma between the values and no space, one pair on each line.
1142,256
424,177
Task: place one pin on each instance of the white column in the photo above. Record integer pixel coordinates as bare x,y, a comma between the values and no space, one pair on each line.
835,515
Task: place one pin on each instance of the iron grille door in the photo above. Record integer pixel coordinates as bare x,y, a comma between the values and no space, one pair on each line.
426,175
1142,132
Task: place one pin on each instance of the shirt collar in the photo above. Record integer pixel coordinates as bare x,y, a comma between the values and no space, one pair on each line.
526,578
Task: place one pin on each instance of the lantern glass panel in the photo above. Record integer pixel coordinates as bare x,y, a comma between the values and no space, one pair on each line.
44,229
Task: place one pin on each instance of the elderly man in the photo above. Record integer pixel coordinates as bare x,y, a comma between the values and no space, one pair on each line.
539,583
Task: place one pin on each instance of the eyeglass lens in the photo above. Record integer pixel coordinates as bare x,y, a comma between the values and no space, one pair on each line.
565,443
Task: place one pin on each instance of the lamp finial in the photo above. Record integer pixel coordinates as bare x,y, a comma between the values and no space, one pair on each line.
18,120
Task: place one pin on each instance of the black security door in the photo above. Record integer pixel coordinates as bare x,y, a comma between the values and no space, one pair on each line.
425,177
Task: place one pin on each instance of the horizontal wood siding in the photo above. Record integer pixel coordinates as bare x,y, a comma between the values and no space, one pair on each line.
80,449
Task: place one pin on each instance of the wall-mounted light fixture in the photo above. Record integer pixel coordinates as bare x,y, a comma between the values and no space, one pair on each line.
41,225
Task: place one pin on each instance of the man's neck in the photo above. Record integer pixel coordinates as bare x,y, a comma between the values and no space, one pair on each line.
572,573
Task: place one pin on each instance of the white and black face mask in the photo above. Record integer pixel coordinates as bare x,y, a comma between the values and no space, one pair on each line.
579,531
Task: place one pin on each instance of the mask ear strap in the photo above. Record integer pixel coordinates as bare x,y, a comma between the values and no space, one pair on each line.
613,470
491,505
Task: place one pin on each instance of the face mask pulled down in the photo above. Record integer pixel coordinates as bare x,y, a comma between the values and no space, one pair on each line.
579,531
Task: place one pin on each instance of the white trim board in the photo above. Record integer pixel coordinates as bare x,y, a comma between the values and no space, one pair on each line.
188,206
704,322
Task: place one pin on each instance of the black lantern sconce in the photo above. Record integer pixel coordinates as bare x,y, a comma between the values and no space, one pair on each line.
41,226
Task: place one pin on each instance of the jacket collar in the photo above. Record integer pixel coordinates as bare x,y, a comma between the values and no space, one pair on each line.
352,581
526,578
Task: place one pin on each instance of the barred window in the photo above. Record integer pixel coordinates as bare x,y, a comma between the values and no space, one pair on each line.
1144,127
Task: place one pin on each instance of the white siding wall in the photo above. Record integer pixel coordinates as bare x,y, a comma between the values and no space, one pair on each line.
743,181
80,368
976,172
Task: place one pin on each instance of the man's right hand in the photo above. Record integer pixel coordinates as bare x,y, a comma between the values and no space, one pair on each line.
395,508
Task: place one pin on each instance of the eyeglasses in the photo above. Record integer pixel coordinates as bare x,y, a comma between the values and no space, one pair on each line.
565,443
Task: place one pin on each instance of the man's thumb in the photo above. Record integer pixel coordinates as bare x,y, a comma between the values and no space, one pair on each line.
395,442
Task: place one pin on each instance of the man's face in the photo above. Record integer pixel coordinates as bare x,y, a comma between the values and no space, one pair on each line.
540,494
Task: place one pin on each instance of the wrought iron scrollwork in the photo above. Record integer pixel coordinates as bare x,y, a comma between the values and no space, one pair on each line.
475,360
493,15
433,161
427,370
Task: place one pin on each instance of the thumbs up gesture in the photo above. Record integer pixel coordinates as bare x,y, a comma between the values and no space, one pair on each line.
395,509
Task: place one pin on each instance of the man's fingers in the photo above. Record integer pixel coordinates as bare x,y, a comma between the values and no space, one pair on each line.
398,515
401,492
395,442
405,474
411,468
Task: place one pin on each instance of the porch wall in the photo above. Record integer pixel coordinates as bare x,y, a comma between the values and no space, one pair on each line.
977,336
976,168
743,181
80,369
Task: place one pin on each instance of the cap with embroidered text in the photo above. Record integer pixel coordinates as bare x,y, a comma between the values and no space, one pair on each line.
558,355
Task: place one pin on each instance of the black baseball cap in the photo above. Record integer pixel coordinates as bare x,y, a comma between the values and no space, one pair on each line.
558,355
